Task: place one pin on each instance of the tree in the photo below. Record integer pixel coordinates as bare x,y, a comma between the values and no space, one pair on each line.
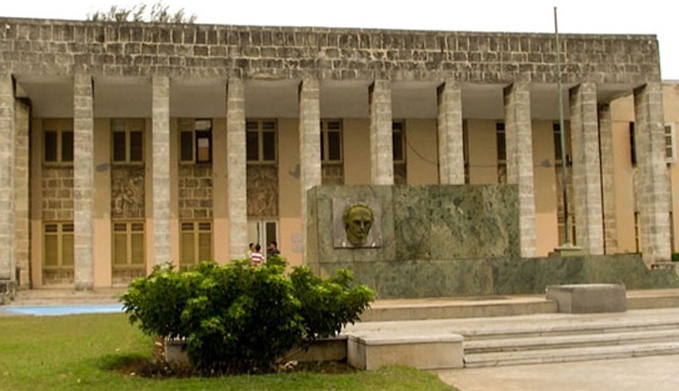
159,13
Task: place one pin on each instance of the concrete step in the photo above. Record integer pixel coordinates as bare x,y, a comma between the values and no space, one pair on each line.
567,355
565,327
65,296
569,341
498,306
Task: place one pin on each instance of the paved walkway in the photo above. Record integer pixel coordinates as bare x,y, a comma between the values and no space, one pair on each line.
658,373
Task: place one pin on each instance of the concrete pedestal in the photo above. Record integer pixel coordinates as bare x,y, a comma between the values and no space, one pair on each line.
588,298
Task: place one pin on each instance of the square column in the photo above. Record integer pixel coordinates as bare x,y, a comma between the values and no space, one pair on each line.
309,144
451,139
653,187
83,181
608,179
160,109
519,142
381,143
586,168
7,125
22,219
236,169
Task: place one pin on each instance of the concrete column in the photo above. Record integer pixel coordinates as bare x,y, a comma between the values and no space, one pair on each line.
519,143
451,139
586,169
83,180
160,111
7,131
22,227
608,179
309,144
237,169
381,143
653,184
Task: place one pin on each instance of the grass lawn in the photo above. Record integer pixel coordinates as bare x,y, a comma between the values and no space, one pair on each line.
77,352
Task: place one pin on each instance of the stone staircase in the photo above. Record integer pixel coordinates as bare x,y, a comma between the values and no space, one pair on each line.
581,338
500,331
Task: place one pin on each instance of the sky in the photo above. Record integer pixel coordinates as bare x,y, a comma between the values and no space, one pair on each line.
656,17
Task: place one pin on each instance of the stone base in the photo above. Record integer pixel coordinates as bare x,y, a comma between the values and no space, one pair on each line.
588,298
8,289
567,250
330,349
423,351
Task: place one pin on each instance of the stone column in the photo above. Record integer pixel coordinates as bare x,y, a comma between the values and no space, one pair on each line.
381,143
83,181
160,109
608,179
309,144
520,160
7,253
451,140
237,169
586,168
653,184
22,226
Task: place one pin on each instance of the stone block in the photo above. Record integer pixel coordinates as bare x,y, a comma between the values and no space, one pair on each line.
421,351
588,298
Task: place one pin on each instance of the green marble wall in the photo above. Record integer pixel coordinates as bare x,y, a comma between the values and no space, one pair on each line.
454,240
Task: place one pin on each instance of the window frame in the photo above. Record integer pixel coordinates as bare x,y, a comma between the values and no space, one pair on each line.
129,126
128,232
258,126
60,232
61,129
325,141
197,134
399,124
197,228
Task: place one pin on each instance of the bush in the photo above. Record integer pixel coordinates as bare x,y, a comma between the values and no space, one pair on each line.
241,319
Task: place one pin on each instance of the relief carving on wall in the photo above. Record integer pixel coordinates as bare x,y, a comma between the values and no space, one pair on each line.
127,192
262,190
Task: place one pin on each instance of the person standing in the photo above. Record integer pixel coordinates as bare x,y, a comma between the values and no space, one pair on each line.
256,258
272,249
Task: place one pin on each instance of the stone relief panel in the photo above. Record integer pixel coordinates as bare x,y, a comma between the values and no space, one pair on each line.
262,190
57,193
332,174
356,223
127,193
195,191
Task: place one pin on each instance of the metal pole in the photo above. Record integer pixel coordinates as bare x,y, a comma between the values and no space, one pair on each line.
562,132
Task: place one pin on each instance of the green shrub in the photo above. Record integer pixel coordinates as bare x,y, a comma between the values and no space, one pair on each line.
327,305
237,318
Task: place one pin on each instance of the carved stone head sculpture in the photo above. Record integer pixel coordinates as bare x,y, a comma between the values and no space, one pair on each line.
358,220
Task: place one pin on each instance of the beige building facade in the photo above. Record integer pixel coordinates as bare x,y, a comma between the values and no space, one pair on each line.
125,146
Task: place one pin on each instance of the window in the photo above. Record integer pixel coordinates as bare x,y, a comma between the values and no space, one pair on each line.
331,141
501,145
670,142
128,141
398,141
128,244
632,145
195,140
58,250
261,140
196,242
58,142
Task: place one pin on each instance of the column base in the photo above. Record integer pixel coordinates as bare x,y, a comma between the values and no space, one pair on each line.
567,250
